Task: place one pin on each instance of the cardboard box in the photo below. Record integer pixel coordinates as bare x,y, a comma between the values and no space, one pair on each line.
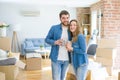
89,75
33,63
20,64
112,78
31,55
108,53
107,43
109,70
15,55
10,71
118,75
97,74
5,43
2,76
70,76
105,61
71,70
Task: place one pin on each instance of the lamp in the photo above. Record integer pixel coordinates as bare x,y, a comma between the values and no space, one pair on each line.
15,43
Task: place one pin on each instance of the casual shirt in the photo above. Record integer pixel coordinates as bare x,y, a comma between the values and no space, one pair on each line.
63,53
54,34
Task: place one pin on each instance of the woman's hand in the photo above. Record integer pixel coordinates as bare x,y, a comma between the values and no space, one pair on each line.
69,46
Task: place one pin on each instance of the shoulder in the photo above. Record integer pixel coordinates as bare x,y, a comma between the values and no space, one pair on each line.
56,26
81,39
81,36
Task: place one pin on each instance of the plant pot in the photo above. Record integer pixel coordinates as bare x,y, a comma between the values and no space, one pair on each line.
3,32
41,48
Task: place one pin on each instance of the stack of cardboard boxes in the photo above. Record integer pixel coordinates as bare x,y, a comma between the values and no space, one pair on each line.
10,71
106,53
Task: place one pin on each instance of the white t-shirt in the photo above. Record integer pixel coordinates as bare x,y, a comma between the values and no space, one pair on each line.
63,53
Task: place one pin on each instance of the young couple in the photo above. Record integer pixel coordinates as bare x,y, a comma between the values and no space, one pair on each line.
58,37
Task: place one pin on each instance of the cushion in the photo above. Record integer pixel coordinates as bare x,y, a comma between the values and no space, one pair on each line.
29,44
92,49
3,54
31,49
9,61
36,43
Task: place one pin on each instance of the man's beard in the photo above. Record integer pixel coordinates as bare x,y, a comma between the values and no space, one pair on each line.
65,24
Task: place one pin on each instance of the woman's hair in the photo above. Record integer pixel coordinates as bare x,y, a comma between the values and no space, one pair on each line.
77,31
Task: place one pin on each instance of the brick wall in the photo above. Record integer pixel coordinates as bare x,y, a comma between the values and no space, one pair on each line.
110,22
110,27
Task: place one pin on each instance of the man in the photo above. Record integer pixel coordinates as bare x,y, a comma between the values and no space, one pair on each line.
57,37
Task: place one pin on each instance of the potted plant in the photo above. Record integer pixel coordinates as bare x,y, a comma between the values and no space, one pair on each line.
3,29
2,25
41,47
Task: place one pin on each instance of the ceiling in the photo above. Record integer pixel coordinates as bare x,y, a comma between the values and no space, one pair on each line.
67,3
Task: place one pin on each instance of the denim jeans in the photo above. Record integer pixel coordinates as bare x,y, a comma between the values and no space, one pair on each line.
59,70
81,72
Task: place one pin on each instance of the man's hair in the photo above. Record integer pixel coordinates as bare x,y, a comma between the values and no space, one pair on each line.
63,12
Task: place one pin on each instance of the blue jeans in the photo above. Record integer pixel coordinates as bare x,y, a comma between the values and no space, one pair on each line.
59,70
81,72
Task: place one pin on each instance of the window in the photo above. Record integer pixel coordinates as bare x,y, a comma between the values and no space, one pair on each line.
93,21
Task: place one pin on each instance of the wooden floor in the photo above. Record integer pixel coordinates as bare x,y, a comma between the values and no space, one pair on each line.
44,74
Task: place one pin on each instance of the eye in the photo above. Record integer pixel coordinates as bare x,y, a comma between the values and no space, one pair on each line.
75,25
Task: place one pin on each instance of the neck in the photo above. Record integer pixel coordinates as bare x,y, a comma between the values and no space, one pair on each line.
63,26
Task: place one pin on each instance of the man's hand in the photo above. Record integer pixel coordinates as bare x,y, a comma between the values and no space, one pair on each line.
58,42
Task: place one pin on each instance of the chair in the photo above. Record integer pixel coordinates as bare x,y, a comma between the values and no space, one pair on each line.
92,49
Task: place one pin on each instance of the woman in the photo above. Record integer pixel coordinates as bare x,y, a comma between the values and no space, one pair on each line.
78,50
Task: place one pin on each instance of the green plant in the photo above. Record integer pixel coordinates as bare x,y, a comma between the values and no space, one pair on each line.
41,46
2,25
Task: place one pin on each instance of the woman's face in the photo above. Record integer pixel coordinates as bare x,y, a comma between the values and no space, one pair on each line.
73,26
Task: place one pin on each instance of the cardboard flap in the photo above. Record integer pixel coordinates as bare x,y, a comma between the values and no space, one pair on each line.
20,64
107,43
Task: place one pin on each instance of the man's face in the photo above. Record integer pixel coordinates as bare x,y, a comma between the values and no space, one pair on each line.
64,20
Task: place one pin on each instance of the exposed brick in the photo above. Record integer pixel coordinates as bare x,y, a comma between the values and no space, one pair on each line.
110,22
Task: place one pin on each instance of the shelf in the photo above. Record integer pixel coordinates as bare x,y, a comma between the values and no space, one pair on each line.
86,24
86,19
87,38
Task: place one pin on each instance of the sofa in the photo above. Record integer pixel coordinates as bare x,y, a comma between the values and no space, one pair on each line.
29,45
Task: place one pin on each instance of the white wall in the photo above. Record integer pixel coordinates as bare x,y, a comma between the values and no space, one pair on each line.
32,26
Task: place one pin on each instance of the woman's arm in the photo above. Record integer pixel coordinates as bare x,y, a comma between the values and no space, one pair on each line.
82,45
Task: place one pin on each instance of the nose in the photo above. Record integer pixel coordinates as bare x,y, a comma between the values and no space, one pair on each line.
66,19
